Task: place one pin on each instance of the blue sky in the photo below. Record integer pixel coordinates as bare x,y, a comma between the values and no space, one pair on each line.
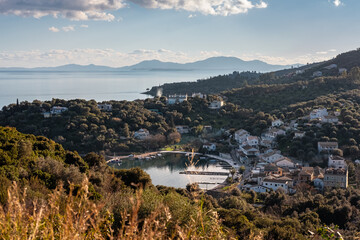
124,32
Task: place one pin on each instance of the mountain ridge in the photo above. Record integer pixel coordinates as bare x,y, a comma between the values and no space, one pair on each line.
213,63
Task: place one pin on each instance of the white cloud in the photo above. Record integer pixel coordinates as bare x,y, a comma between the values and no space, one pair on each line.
54,29
68,28
206,7
98,9
84,26
72,9
337,3
192,16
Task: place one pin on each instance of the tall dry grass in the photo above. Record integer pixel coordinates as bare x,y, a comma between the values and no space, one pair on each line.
75,216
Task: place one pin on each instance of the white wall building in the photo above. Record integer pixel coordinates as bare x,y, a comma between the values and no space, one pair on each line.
336,162
318,113
56,110
327,146
141,134
173,99
241,135
277,123
216,104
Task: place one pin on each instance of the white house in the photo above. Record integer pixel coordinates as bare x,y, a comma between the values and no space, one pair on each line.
336,178
105,107
266,143
277,123
46,114
56,110
210,146
327,146
173,99
285,163
275,183
273,133
331,66
182,129
216,104
342,70
318,113
141,134
329,119
317,74
336,162
199,95
271,157
299,134
250,151
241,135
299,71
252,141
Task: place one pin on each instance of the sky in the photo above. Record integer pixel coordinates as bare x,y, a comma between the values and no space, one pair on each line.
118,33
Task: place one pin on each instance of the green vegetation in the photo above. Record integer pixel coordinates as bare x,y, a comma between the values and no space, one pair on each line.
58,194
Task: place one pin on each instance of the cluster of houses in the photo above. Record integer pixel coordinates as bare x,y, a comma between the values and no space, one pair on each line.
272,170
179,98
330,67
55,111
275,172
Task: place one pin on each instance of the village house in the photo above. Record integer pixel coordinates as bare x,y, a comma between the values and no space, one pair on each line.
342,70
336,178
210,146
241,135
299,134
199,95
105,107
273,133
299,71
331,66
141,134
207,129
273,183
271,157
285,163
46,114
317,74
336,162
329,119
318,113
277,123
327,146
249,150
272,169
217,104
173,99
306,175
252,141
182,129
266,143
56,110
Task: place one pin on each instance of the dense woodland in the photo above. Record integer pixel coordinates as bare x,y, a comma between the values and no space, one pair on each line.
58,192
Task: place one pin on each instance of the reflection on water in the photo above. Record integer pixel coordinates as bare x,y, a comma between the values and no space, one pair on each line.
165,170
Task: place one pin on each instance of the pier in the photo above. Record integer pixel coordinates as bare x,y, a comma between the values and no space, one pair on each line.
204,173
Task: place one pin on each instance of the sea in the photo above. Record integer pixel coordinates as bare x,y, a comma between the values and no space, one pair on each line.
100,86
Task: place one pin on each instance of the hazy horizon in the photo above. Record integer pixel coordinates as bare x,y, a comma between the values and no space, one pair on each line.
125,32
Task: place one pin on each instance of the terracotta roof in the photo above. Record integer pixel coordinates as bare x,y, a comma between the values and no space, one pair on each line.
271,168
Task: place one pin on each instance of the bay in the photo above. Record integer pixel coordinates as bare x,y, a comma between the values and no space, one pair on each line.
101,86
166,170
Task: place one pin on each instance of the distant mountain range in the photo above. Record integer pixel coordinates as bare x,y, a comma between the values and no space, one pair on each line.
214,63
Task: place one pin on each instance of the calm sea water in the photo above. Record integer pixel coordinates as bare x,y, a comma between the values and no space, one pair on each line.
28,86
166,170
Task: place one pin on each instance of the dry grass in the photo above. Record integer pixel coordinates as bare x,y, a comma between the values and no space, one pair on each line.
75,216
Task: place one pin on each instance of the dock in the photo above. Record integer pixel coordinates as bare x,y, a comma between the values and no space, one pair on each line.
204,173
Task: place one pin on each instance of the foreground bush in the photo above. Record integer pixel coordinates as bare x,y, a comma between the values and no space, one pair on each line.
75,216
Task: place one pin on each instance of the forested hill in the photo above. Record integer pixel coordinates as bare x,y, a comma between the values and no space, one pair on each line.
217,84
